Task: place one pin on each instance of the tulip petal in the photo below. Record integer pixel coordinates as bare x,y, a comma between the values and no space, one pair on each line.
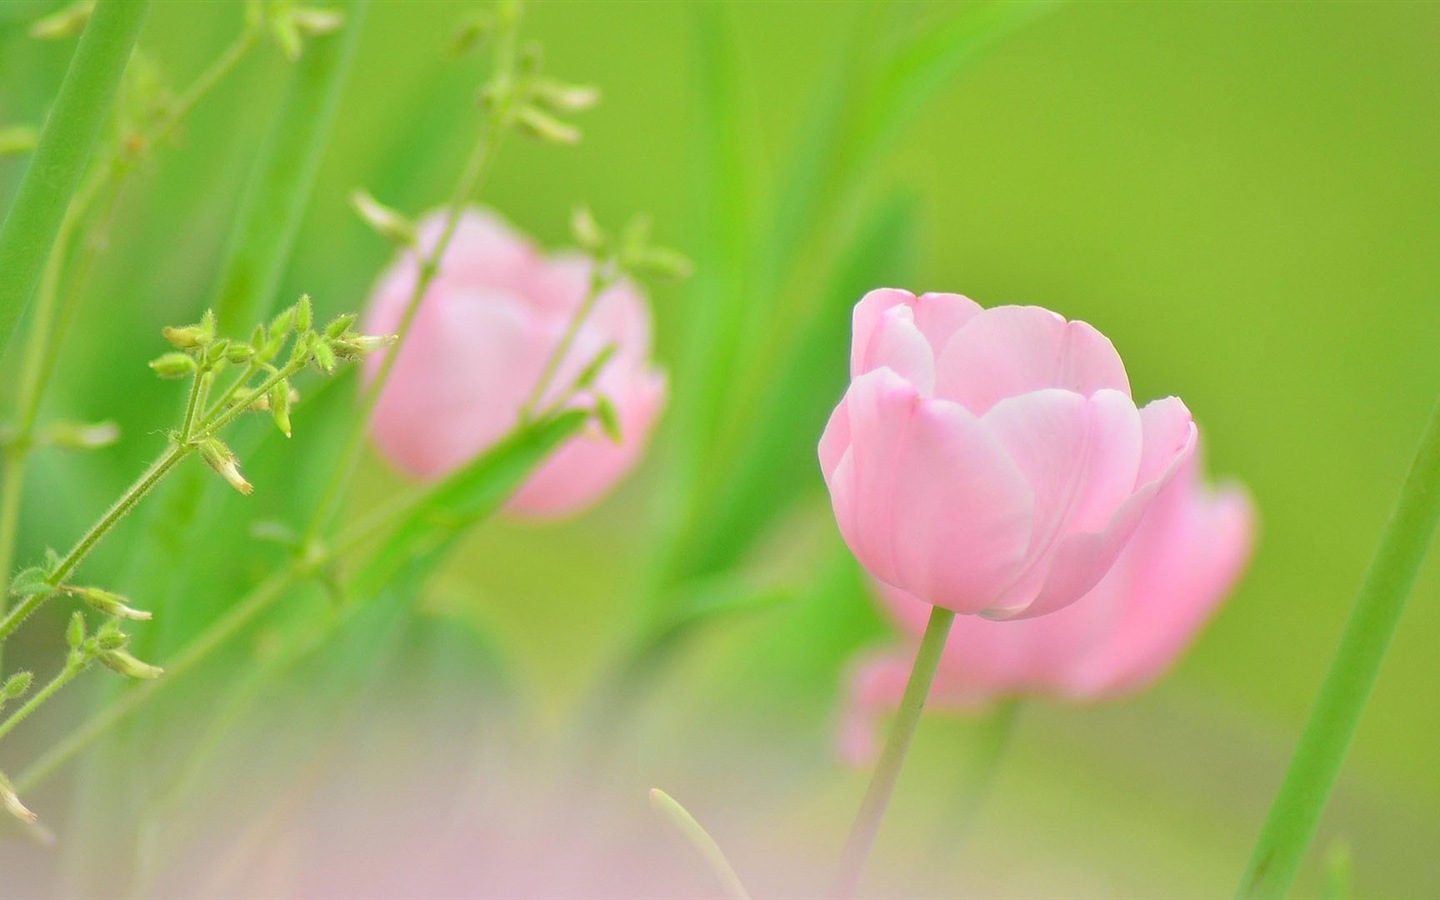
896,344
1008,351
866,319
835,440
963,510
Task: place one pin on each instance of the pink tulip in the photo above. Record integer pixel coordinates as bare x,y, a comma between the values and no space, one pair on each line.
991,461
480,341
1183,560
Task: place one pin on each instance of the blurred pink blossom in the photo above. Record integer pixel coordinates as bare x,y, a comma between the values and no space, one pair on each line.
480,341
1183,560
991,461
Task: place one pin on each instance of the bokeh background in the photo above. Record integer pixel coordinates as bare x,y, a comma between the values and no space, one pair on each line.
1244,197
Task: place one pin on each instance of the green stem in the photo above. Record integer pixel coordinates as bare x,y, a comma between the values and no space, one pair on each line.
282,178
1373,619
206,82
429,266
239,407
76,663
887,772
27,236
597,286
188,422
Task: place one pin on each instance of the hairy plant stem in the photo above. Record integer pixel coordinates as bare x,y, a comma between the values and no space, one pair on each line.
1318,757
75,663
887,771
48,330
246,610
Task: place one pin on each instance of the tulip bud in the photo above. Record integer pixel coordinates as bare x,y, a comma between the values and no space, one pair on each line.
18,140
544,127
108,603
389,223
221,459
122,663
67,22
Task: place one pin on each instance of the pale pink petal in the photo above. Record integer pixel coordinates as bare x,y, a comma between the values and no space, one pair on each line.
866,317
896,344
939,316
458,383
579,473
963,511
835,440
484,251
1011,350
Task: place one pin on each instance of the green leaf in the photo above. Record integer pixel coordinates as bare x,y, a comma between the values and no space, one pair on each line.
777,462
467,496
33,580
283,177
692,833
71,128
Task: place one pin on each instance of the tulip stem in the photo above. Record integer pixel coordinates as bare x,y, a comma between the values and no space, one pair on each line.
1353,670
887,772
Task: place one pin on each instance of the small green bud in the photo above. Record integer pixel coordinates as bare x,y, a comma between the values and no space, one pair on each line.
355,346
68,22
471,33
544,127
586,231
286,33
562,97
237,352
110,637
222,460
18,140
662,262
81,435
324,357
122,663
75,632
16,685
173,365
313,20
108,603
608,418
217,351
11,801
636,237
532,58
257,339
340,325
283,322
186,337
280,405
34,580
385,221
587,375
304,314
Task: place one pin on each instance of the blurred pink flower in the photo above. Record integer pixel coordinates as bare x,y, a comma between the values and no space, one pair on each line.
1183,560
484,330
991,461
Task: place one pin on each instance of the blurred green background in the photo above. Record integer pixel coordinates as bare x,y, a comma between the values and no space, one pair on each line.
1243,197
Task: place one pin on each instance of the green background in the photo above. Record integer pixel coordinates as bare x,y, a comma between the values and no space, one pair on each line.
1243,197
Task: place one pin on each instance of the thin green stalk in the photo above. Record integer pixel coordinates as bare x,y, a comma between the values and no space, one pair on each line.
598,284
27,236
887,771
283,175
75,663
206,81
1316,764
429,266
191,403
694,834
